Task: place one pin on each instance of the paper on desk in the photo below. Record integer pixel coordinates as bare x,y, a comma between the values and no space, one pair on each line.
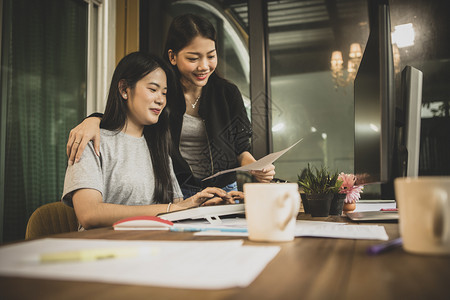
315,229
257,165
175,264
369,232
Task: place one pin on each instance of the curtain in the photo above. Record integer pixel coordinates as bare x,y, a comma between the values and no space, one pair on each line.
44,58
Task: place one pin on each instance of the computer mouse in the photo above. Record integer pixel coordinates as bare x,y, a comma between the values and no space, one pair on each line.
142,223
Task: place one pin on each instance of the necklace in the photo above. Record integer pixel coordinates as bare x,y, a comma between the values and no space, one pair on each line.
196,101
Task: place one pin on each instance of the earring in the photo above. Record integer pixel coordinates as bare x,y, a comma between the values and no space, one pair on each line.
125,96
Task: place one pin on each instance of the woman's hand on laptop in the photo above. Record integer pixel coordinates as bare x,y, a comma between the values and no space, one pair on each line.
237,196
230,198
208,196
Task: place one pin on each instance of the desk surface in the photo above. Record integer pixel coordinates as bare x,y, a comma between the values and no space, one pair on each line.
307,268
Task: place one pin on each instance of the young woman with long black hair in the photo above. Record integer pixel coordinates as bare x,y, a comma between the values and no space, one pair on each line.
133,174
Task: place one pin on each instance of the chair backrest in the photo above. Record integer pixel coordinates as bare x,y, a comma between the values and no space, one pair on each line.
51,218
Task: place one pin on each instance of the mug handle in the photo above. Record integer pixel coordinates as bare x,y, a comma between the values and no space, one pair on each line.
281,201
440,217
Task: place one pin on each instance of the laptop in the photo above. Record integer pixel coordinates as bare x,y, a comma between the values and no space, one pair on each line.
373,216
211,213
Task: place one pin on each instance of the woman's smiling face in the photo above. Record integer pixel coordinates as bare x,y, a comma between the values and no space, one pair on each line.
196,62
148,98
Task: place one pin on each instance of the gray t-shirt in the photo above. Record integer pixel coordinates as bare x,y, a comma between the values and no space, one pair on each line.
194,146
123,173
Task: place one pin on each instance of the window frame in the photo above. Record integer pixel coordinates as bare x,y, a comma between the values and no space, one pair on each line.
2,133
101,52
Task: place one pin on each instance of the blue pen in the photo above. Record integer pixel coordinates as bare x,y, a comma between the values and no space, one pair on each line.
196,229
377,249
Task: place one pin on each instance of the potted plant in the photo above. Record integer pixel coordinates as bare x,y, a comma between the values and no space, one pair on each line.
351,191
319,187
337,204
301,178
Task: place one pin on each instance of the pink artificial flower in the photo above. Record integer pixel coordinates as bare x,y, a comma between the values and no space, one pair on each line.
349,188
353,194
348,180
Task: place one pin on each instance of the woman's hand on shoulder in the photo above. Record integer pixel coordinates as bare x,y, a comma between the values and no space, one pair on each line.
80,136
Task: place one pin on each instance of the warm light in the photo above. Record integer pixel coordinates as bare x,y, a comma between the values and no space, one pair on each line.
278,127
324,136
336,60
337,72
396,56
403,35
352,67
313,129
374,127
355,51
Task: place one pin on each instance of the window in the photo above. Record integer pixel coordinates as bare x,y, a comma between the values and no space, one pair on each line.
101,58
46,55
308,102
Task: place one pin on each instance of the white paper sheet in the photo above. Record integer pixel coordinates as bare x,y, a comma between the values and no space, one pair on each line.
369,232
257,165
174,264
313,229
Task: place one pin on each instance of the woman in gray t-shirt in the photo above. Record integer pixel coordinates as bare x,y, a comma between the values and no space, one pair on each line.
132,175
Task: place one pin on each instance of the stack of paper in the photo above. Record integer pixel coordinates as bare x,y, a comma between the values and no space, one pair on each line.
185,264
302,229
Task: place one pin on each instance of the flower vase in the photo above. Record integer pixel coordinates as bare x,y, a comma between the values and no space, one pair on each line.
348,207
337,204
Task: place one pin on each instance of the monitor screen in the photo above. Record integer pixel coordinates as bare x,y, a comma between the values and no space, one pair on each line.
375,100
409,137
387,131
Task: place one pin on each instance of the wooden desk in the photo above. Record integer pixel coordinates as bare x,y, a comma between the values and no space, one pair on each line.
307,268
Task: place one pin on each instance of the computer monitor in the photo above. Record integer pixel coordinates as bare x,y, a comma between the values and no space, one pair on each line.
386,131
412,80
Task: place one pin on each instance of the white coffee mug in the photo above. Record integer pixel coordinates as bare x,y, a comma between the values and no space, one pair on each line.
271,210
424,213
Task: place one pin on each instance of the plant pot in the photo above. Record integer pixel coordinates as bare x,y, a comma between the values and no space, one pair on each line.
305,203
319,204
337,204
348,207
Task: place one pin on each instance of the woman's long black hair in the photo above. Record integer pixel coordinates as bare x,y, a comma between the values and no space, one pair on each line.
183,30
128,72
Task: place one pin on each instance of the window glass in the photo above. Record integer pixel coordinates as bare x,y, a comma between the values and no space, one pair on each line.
313,102
307,101
44,57
420,32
